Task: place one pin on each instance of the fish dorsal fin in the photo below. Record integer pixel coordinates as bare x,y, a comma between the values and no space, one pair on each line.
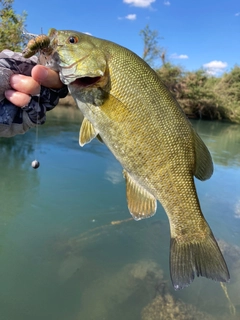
141,203
87,132
203,164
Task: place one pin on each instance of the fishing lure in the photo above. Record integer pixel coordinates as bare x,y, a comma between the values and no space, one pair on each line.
39,43
35,164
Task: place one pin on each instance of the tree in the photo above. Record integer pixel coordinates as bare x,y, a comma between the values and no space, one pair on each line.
228,90
151,49
171,76
199,95
11,27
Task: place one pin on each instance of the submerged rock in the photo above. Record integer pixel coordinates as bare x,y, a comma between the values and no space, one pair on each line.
145,268
232,255
114,292
165,307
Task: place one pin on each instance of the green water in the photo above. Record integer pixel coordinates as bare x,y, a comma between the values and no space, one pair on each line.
62,258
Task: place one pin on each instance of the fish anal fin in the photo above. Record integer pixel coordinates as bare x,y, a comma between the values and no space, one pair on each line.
197,258
141,203
203,164
87,132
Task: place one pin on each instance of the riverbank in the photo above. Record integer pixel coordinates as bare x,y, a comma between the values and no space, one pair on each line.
202,113
203,96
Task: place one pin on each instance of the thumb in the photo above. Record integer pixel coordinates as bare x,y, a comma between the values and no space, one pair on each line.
46,77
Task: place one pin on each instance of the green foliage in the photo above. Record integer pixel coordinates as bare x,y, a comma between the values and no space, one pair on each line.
198,98
171,76
228,91
206,97
199,95
11,27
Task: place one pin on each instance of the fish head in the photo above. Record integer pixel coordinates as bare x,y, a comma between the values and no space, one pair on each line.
78,59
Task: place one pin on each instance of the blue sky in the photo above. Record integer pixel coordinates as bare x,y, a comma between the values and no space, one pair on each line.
196,34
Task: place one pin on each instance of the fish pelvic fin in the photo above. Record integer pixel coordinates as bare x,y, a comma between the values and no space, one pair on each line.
203,164
199,258
87,132
141,203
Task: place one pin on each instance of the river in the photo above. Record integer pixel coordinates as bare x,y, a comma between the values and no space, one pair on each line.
68,250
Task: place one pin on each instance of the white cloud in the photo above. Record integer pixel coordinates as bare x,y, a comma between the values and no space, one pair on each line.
215,67
179,56
166,3
139,3
132,16
237,14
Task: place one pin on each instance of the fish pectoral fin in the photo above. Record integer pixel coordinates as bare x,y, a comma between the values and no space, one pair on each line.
141,203
203,164
87,132
200,258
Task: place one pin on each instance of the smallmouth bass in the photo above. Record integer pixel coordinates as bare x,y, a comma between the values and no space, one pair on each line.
126,106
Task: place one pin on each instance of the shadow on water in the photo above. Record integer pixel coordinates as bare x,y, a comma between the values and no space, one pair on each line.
70,249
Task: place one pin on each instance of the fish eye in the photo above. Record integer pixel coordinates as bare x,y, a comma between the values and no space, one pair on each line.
73,39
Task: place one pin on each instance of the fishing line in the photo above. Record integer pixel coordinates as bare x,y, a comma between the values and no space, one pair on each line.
36,163
232,308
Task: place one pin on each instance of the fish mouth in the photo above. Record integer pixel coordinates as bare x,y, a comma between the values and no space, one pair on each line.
85,82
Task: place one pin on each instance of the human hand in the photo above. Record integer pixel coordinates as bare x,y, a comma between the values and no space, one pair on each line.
23,87
33,88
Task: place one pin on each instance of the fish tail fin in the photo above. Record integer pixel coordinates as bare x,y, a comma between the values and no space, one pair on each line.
196,258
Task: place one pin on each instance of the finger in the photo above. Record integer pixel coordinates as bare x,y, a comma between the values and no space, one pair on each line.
46,77
19,99
24,84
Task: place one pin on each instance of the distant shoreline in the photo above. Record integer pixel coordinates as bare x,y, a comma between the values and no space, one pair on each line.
68,101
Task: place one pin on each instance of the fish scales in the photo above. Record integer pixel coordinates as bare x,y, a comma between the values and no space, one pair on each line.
169,156
126,105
